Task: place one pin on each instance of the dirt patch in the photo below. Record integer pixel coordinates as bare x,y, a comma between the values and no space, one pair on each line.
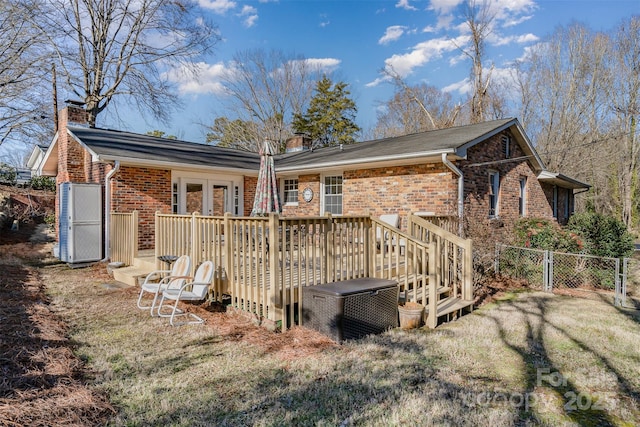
493,288
294,343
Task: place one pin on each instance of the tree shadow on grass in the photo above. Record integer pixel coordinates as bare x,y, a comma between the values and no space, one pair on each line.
352,390
545,381
631,313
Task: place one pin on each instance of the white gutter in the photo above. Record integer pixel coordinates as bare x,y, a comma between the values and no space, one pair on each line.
107,208
458,172
361,161
161,164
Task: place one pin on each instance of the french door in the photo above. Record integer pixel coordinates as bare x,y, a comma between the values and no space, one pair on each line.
209,197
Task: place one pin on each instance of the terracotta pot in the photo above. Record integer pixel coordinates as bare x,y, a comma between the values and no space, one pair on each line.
410,315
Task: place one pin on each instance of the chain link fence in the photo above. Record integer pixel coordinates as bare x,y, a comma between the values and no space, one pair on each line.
531,265
630,290
565,272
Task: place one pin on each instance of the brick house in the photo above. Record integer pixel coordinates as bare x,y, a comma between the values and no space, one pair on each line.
489,174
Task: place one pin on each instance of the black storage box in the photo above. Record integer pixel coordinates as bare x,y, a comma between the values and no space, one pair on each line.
351,308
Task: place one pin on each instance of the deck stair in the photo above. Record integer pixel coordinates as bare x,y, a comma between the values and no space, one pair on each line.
143,264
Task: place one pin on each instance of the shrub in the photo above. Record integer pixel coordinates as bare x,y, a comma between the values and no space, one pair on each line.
538,233
43,183
7,174
603,235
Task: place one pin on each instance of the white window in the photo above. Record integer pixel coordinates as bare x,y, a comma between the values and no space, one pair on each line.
174,198
236,200
522,200
290,191
494,192
333,194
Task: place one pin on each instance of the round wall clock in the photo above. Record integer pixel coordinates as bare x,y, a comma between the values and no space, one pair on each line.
307,194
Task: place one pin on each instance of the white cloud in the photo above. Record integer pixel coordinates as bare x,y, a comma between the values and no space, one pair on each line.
218,6
519,39
506,9
324,20
250,15
529,51
404,4
463,87
444,6
392,34
207,81
327,64
250,21
423,53
378,81
516,21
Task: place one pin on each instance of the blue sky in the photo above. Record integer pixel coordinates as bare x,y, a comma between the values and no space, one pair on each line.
357,38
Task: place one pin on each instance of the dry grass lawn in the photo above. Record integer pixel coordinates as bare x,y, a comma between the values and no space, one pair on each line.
528,359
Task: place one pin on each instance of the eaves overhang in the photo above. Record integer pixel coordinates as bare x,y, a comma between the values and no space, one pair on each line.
371,162
49,164
171,165
562,181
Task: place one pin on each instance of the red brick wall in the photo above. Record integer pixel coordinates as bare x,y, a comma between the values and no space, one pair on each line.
563,199
478,225
402,190
71,155
433,188
250,183
311,208
145,190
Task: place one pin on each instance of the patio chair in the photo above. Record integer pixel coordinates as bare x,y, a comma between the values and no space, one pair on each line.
154,283
391,219
195,290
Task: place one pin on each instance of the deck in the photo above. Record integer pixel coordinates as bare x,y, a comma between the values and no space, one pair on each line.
266,279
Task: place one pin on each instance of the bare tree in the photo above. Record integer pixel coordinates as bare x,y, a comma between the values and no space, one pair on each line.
580,92
121,49
625,99
414,108
23,75
264,91
479,20
566,83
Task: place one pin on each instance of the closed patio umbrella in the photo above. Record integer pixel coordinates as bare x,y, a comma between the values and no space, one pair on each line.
266,199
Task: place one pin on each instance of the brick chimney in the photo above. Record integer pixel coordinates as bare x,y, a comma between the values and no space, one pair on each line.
76,115
298,142
71,156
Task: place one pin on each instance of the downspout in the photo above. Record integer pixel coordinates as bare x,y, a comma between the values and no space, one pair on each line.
458,172
107,208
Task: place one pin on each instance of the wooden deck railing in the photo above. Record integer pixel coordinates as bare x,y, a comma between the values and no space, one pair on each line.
449,223
123,237
264,263
454,257
200,237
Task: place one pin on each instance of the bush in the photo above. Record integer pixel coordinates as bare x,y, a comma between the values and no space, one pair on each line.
538,233
603,235
43,183
7,174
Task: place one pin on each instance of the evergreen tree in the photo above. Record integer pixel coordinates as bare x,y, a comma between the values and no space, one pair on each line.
330,118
